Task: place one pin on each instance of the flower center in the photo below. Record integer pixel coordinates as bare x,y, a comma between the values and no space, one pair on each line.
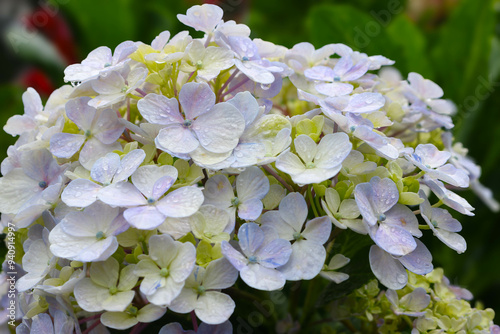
245,58
382,217
164,272
187,123
132,310
42,184
100,235
235,201
310,165
297,236
151,200
252,259
201,290
113,290
199,64
88,133
336,78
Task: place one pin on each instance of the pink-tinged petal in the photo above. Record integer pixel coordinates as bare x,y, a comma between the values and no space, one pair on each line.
122,194
41,166
19,124
389,271
394,240
181,202
318,229
105,168
233,256
144,217
176,139
365,102
159,109
65,145
274,254
80,193
196,99
419,261
93,150
219,129
334,88
129,164
293,210
306,261
107,128
250,210
80,112
250,238
262,278
402,216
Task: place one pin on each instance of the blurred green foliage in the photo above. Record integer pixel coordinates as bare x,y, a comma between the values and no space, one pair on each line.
460,51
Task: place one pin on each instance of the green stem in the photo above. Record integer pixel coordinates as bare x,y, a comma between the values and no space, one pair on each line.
311,201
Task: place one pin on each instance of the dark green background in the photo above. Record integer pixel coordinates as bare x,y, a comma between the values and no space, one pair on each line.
455,44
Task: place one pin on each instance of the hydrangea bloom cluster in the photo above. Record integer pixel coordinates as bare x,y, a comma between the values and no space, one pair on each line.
428,304
168,171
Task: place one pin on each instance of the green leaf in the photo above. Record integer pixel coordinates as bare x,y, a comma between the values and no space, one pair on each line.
412,42
102,22
461,57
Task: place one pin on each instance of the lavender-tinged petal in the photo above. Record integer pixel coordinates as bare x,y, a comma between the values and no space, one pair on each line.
107,128
320,73
105,168
196,99
402,216
252,184
65,145
385,194
80,193
293,210
251,238
274,220
145,177
129,165
365,102
334,89
389,271
181,202
445,221
274,254
419,261
158,109
363,193
394,240
80,112
318,230
144,217
176,139
121,194
306,261
251,209
262,278
233,256
93,150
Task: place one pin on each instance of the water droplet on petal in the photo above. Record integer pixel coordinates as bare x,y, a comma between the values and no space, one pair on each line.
401,278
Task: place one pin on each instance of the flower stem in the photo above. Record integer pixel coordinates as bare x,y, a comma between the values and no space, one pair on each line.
195,322
311,201
271,171
91,327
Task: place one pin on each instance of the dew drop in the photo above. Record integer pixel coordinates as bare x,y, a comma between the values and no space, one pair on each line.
401,278
78,194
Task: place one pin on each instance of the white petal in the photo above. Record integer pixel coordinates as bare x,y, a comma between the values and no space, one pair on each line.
121,194
181,202
306,261
145,177
293,210
261,278
214,307
305,147
176,139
